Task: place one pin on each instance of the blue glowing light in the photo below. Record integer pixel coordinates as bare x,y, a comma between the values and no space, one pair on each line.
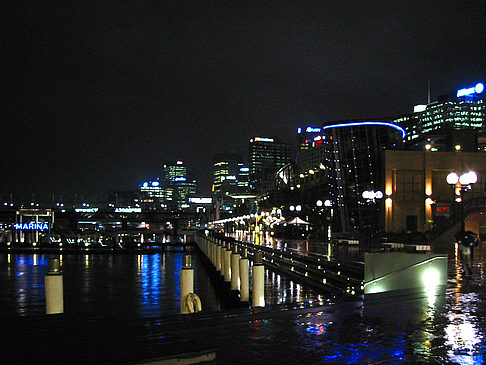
145,184
180,179
360,124
32,226
477,89
155,183
312,130
244,169
299,130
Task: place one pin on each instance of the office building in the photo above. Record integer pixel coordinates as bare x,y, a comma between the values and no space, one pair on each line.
461,110
341,161
266,157
180,183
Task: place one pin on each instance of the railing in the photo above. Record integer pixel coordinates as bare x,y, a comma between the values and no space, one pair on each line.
343,279
471,206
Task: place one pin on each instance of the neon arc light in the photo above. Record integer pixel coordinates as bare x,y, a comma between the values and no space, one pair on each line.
360,124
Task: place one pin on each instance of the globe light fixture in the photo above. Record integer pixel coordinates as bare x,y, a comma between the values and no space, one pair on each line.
461,184
452,178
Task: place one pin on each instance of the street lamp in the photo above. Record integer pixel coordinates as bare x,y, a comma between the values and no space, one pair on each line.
461,184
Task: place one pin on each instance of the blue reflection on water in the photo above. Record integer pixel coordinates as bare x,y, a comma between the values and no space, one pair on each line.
31,260
150,279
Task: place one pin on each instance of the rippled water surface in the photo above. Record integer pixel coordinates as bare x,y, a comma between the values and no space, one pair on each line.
446,329
141,285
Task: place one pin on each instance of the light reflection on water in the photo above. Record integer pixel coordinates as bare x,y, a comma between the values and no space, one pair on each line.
131,285
450,328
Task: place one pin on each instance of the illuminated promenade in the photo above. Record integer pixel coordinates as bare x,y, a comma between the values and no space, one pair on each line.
119,310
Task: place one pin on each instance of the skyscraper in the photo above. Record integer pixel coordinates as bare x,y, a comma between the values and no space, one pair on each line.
177,178
266,156
225,173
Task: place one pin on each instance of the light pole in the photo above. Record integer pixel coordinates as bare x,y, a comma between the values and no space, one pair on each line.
460,185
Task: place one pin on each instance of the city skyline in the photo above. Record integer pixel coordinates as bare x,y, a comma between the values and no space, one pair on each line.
98,98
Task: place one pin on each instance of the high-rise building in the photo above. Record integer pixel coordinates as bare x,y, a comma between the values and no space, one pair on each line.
180,182
230,180
266,156
464,109
226,172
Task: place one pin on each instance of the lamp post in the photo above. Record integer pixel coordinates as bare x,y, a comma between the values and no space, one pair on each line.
460,185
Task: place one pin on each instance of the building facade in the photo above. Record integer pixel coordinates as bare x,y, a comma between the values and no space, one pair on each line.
340,162
266,157
462,110
417,195
180,183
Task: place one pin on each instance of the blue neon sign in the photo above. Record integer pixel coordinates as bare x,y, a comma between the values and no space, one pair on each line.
180,179
360,124
477,89
312,130
32,226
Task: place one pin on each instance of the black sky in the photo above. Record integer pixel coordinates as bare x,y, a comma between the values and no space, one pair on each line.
96,96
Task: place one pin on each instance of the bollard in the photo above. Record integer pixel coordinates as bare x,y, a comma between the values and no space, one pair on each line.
244,277
211,252
258,277
187,283
223,257
235,269
54,287
218,256
227,263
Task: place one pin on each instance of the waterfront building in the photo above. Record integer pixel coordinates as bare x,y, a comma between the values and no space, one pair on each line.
342,162
266,156
417,195
461,110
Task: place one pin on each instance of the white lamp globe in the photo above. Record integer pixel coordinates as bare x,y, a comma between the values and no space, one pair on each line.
452,178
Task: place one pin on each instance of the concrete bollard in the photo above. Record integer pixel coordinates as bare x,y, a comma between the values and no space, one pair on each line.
217,255
235,269
227,263
258,278
244,277
187,283
223,257
212,251
54,287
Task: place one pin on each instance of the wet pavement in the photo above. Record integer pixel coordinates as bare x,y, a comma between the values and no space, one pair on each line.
448,328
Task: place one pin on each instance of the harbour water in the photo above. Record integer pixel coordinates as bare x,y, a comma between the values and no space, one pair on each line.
142,293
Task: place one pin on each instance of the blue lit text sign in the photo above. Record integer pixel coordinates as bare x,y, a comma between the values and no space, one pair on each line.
86,210
180,179
478,89
312,130
200,200
32,226
245,169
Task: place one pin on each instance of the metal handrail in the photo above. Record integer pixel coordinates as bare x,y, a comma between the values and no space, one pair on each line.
403,269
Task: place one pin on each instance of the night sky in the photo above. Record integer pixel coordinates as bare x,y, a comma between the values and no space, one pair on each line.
96,96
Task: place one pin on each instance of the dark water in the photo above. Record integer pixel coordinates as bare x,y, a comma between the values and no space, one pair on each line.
122,285
449,329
